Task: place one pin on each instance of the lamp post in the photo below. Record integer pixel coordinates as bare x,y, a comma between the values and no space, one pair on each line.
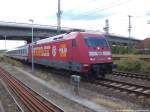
59,13
31,20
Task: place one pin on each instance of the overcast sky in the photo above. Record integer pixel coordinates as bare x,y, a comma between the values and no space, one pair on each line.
86,14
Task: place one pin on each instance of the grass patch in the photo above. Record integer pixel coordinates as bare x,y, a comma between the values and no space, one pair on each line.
133,64
10,61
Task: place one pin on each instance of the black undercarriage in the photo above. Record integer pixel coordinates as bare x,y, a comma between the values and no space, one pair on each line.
101,69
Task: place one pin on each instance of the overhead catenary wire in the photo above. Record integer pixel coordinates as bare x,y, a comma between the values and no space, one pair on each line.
97,10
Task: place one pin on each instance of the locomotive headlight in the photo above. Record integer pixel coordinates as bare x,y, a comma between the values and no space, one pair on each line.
85,65
109,58
92,59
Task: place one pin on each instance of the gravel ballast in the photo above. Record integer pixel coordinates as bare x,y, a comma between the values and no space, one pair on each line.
7,103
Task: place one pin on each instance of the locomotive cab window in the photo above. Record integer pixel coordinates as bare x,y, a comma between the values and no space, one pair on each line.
74,44
95,41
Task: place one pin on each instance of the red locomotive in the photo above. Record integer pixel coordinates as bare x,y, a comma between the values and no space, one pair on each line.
85,53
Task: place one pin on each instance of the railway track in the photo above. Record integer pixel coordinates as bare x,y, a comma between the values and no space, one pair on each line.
33,101
132,75
123,86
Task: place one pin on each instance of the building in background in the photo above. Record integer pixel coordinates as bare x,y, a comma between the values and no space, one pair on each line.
144,46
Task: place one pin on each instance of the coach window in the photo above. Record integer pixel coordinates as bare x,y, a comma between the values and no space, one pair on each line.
74,44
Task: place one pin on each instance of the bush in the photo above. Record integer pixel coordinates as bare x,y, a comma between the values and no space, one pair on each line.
146,68
133,65
135,51
119,50
123,50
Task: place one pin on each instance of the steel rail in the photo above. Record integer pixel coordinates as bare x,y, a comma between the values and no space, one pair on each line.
124,86
30,100
132,75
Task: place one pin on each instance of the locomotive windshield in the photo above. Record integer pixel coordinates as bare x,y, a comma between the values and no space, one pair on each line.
94,42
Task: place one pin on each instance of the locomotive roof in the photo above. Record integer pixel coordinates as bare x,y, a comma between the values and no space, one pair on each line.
63,37
57,37
49,39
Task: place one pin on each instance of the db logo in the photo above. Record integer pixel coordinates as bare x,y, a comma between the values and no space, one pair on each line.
54,50
63,50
